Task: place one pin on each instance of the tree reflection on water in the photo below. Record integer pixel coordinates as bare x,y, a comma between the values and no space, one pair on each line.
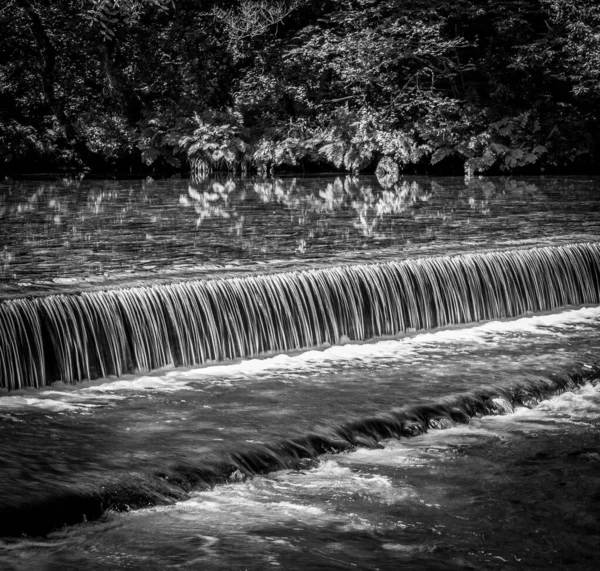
52,231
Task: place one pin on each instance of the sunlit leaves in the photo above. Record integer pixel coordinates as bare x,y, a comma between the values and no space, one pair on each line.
509,143
423,84
215,140
581,20
251,18
104,14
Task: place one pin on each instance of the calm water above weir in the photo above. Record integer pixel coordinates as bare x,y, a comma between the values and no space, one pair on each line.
59,236
300,420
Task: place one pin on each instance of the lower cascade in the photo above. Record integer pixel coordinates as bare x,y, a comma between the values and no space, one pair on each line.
96,334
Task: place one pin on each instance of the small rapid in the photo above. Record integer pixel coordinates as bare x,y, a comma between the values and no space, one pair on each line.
153,439
508,491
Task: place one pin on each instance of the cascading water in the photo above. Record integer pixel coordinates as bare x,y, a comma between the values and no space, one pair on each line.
95,334
452,447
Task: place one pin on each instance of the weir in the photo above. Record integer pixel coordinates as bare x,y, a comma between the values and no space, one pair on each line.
96,334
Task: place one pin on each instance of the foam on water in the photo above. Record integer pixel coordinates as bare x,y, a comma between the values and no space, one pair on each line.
138,384
243,504
393,349
401,348
433,496
582,403
306,497
385,353
580,406
18,402
65,402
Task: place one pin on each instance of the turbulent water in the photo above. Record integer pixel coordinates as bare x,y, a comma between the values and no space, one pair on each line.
474,445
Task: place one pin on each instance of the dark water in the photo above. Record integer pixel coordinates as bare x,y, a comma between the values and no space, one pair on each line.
517,488
518,491
65,235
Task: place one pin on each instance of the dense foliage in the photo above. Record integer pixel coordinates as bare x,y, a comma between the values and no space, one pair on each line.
423,85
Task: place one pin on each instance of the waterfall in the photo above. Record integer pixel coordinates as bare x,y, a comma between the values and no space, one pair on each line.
95,334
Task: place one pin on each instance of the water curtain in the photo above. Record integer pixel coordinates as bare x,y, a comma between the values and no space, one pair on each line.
95,334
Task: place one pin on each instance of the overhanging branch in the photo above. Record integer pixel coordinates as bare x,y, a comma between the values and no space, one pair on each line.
254,17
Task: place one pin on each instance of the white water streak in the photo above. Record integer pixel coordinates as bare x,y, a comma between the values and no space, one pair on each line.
76,337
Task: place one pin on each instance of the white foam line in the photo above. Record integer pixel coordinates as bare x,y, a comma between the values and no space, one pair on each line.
145,383
72,401
581,402
18,402
480,334
405,349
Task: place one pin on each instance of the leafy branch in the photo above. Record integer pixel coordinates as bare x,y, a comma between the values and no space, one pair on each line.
253,18
104,14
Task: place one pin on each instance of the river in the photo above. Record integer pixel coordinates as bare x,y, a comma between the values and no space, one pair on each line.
457,428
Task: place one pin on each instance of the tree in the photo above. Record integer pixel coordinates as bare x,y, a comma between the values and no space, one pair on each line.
104,68
47,54
579,23
420,84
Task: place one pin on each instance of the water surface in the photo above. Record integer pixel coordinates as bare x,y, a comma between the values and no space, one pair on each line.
185,458
506,492
66,235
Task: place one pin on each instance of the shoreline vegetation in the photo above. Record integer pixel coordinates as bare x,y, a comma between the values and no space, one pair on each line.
160,87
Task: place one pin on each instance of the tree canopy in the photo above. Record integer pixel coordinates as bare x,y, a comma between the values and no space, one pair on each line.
422,85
